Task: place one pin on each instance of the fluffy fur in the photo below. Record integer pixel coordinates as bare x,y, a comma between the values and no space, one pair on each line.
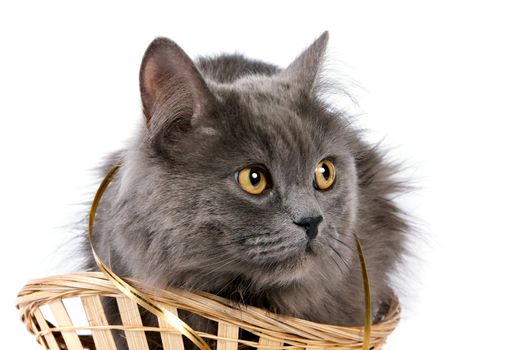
176,217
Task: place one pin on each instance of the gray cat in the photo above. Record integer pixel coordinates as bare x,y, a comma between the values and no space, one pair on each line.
243,182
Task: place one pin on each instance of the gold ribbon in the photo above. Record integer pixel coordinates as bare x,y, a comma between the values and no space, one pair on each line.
170,317
129,290
368,295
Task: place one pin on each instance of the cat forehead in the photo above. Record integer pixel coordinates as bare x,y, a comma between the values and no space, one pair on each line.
267,97
273,123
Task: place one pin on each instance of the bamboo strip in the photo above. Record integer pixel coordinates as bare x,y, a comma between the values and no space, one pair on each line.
229,331
130,316
96,317
265,343
313,348
62,317
170,340
42,323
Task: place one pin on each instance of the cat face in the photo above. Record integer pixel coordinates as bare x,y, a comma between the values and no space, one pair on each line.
253,178
292,223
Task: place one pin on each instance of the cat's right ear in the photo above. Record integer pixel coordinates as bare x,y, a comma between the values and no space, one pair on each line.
170,80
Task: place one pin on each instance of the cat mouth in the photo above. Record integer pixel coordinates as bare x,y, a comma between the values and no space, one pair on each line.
289,257
283,268
298,258
309,250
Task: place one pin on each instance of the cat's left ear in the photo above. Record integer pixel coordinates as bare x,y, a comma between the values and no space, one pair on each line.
304,70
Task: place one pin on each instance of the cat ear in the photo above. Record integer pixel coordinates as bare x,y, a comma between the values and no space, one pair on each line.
304,70
169,78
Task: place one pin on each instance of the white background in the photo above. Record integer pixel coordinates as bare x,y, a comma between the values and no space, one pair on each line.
442,81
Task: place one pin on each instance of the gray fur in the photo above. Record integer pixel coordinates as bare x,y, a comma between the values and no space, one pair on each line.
175,217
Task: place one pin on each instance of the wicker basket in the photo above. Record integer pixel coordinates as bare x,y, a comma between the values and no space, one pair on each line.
45,306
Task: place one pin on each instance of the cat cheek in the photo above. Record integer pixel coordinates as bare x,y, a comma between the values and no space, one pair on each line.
206,131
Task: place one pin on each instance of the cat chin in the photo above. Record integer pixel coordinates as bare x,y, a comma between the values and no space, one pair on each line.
292,271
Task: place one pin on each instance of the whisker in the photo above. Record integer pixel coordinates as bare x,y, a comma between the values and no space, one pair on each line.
335,262
340,256
352,249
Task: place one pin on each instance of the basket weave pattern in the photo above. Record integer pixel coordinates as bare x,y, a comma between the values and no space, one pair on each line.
274,331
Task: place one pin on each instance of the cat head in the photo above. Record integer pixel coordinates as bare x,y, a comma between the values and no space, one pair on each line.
252,176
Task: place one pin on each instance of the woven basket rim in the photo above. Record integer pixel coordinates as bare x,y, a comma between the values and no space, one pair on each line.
41,291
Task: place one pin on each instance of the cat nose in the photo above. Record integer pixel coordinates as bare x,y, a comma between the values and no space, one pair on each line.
310,224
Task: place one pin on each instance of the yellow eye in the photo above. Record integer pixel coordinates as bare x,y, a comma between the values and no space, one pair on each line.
324,175
252,180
